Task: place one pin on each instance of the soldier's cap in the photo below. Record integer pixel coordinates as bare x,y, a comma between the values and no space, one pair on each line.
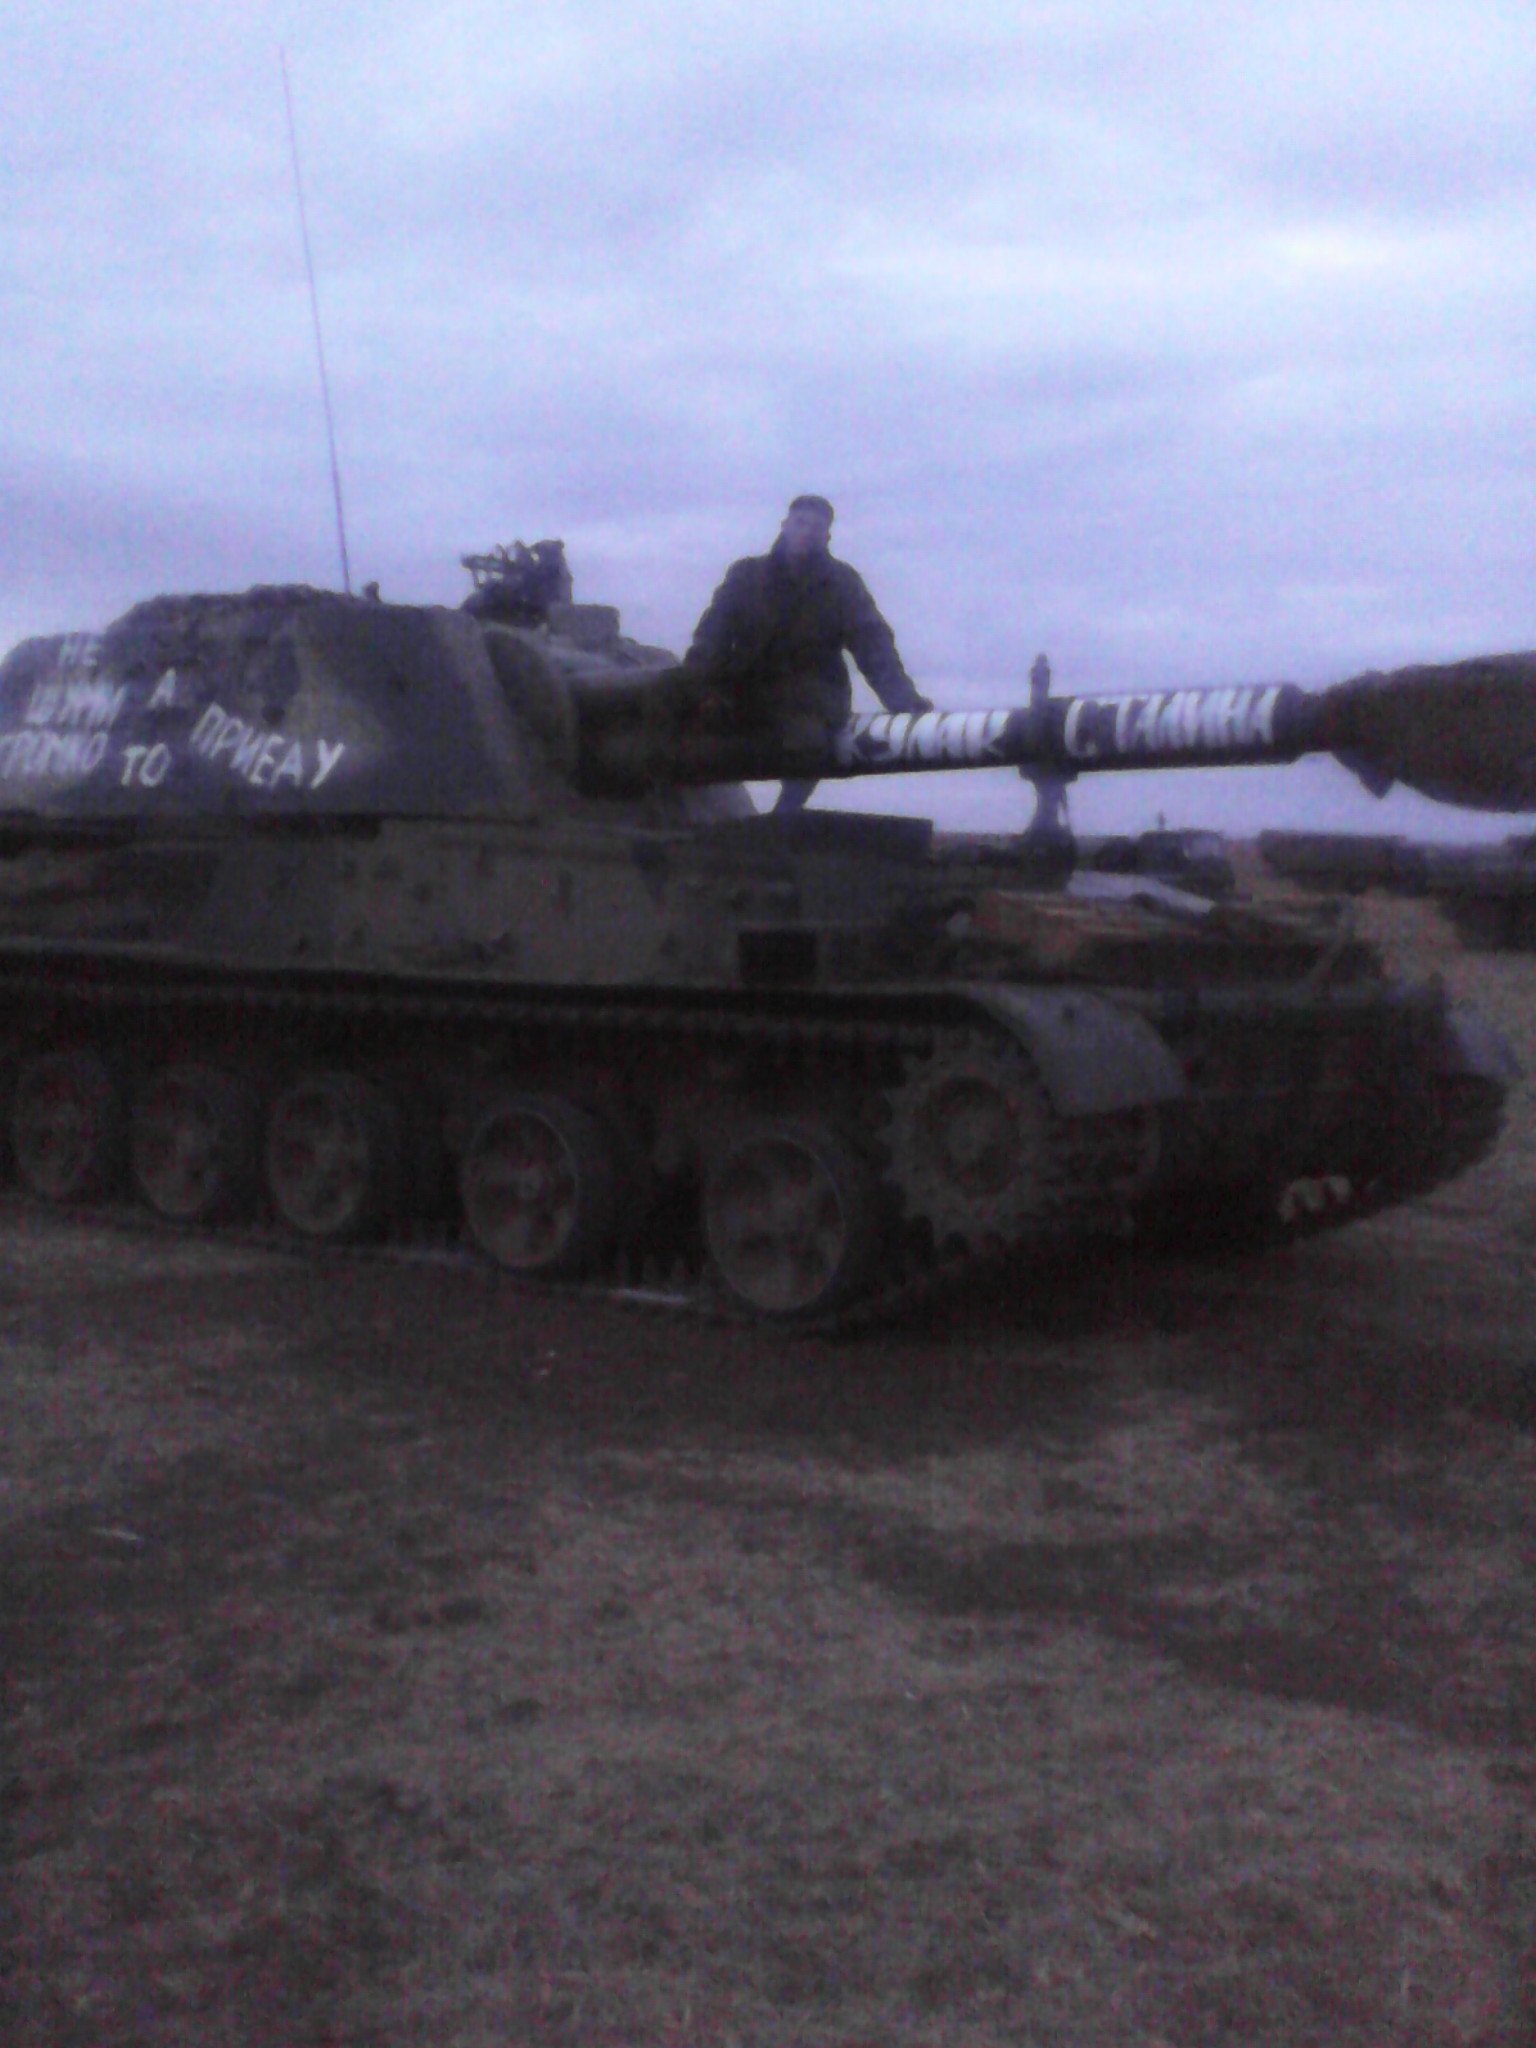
808,501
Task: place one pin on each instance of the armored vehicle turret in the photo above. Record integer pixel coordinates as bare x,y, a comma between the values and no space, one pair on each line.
351,919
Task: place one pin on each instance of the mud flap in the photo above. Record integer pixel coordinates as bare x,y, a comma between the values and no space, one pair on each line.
1092,1056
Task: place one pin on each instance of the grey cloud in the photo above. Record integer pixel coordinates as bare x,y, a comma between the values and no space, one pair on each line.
1189,347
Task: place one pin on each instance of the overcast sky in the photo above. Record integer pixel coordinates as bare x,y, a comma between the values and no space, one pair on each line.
1191,341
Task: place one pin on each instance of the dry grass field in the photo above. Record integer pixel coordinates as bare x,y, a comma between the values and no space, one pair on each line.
1142,1658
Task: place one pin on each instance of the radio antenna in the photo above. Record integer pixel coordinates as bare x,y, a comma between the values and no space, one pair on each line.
314,310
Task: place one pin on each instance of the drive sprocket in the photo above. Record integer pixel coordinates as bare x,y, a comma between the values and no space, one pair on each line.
973,1147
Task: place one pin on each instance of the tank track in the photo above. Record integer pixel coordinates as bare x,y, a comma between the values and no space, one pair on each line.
101,1005
1090,1176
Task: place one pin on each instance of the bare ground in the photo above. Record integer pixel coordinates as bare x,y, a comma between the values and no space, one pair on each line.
1144,1657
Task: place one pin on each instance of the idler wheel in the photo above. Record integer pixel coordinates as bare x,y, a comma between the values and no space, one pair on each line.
792,1219
971,1143
66,1126
539,1184
192,1144
333,1156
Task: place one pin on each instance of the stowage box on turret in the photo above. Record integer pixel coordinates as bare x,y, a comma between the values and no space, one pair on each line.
359,919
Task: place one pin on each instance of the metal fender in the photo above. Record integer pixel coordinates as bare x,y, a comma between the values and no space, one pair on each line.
1093,1057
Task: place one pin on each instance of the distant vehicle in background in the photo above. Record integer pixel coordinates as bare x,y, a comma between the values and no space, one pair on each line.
1488,892
1346,863
1196,860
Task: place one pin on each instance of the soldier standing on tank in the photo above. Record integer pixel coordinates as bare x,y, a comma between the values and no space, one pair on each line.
769,647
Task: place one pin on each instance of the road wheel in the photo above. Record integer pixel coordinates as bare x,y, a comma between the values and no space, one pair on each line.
333,1156
192,1144
66,1126
791,1218
973,1146
539,1184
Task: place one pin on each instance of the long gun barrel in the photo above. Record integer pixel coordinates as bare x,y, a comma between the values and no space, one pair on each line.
1463,733
291,700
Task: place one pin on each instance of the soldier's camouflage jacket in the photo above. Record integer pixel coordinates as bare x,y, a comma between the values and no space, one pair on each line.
772,639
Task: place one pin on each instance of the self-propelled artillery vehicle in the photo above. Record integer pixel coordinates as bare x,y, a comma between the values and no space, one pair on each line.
356,919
